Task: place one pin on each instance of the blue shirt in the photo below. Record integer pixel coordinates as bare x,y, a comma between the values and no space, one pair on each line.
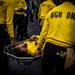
28,8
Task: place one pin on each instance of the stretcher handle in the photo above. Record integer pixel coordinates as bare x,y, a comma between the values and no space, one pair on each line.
27,62
19,58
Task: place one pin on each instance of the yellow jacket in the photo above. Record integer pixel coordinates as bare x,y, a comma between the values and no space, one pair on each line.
32,48
6,14
59,26
44,8
20,4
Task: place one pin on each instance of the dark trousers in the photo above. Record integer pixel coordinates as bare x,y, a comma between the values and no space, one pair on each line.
53,58
31,16
26,24
36,14
19,23
4,41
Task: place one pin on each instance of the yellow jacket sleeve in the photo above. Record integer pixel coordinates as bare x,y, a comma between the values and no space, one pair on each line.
6,15
43,33
9,18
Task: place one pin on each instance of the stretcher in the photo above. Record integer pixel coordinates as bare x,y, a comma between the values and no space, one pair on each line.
9,51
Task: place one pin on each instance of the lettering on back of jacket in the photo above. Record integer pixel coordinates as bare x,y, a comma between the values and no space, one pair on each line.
59,14
45,5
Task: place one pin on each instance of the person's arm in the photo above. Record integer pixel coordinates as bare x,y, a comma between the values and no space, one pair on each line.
9,19
42,38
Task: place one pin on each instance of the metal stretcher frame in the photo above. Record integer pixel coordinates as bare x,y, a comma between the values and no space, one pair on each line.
8,50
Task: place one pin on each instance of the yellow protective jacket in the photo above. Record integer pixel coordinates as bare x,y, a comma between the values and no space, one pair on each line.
59,26
32,48
20,4
44,8
6,14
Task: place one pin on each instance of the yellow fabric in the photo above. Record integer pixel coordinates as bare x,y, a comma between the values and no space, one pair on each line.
59,26
6,14
38,36
44,8
32,48
20,4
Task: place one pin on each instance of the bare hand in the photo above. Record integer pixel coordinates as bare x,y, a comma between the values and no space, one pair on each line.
39,53
12,41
